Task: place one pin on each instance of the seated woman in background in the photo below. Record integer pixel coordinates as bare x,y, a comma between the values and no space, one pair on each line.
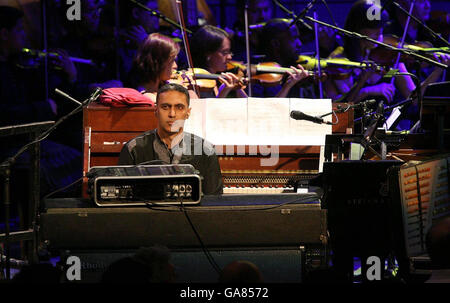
154,65
211,50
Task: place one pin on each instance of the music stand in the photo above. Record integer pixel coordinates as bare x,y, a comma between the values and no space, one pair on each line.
33,130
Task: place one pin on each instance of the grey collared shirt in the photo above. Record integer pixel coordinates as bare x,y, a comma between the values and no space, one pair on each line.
192,149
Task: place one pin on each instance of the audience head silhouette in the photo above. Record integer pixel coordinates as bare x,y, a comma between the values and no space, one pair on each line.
148,265
240,272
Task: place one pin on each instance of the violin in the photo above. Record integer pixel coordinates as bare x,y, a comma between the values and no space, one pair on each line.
265,73
339,68
196,77
31,58
387,57
271,73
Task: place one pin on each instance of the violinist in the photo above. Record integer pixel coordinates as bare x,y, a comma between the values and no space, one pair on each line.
259,12
22,94
365,84
22,100
416,33
88,39
136,24
282,45
154,65
211,50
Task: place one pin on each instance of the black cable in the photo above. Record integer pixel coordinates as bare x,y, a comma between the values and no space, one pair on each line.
208,255
63,188
157,161
152,205
204,248
262,208
329,12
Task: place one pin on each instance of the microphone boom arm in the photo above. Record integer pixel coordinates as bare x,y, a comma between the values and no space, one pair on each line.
359,36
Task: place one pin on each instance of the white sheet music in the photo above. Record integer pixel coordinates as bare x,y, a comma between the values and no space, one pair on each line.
197,118
267,122
307,132
258,121
226,121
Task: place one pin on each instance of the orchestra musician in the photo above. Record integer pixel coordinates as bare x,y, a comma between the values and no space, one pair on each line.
415,31
154,65
259,12
22,100
416,34
282,44
170,144
136,24
87,39
365,84
211,50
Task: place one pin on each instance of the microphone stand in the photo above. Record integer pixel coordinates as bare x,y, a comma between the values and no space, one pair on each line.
433,33
393,48
401,104
368,135
303,12
160,16
343,110
292,15
319,68
5,167
247,46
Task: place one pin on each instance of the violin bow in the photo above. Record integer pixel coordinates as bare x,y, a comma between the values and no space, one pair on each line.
402,42
400,45
247,47
186,44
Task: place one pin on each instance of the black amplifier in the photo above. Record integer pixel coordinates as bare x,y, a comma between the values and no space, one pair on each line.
144,184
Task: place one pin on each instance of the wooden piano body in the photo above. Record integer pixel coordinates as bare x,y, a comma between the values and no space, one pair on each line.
107,129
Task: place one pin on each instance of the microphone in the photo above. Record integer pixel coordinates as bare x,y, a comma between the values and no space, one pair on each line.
385,5
298,115
61,93
98,91
303,12
306,25
92,98
377,119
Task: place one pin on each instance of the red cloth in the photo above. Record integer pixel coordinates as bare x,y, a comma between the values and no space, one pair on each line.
124,97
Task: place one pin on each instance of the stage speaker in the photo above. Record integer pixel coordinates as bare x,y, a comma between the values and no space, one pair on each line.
276,264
